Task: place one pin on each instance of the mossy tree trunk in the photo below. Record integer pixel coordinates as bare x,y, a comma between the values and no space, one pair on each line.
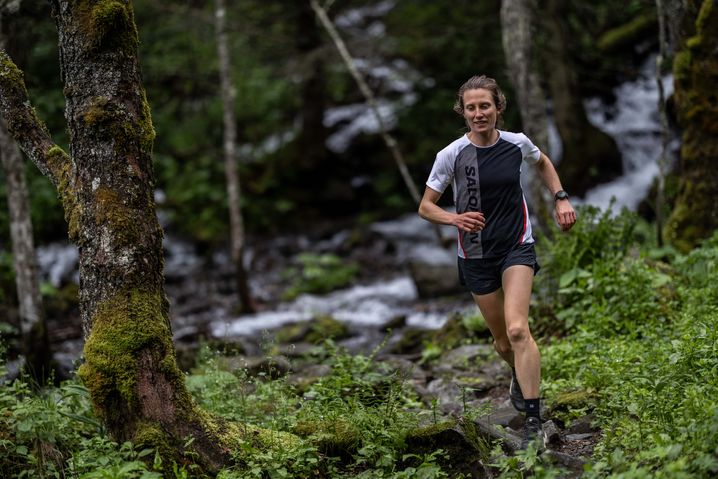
106,185
695,75
590,156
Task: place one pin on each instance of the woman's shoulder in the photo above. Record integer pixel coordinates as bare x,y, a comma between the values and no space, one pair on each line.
453,148
529,151
516,138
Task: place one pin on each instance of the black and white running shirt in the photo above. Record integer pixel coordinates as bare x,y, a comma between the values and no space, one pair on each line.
487,179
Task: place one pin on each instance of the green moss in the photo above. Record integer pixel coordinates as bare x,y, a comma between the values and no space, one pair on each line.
682,65
452,333
704,22
11,77
98,112
333,438
145,129
242,438
122,327
111,211
693,42
477,441
316,331
151,435
574,399
12,85
432,430
59,164
628,33
111,121
109,25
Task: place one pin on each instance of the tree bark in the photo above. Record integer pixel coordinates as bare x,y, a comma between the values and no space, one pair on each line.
234,189
695,75
106,185
663,51
516,29
590,156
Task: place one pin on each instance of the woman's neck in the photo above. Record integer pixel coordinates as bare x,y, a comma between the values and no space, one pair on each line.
487,139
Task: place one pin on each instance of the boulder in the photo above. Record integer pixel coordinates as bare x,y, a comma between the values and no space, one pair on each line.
434,271
461,456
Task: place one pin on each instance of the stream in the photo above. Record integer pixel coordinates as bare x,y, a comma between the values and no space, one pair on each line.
201,291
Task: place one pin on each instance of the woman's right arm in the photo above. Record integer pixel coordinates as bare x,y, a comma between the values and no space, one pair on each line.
471,221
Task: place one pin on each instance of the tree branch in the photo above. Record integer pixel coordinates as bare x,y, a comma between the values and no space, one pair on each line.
26,128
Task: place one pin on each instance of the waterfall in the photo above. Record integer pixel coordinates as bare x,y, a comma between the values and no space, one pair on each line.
633,121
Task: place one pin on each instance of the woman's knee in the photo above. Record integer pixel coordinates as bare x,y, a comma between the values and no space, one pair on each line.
518,334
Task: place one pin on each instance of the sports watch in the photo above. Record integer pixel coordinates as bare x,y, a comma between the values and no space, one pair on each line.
560,195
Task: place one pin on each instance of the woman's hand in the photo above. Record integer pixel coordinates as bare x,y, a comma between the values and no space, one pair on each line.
471,221
565,215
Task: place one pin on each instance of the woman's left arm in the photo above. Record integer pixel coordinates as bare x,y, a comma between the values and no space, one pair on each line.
564,213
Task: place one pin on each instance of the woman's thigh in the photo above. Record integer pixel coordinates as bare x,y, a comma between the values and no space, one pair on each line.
517,282
491,306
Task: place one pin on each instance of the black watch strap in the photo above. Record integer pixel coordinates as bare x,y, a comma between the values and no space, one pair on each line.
560,195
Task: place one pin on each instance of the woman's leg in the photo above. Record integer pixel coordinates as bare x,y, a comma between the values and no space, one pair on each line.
517,284
492,309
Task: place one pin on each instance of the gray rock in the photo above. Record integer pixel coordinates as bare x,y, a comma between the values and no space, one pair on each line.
464,356
578,437
448,395
434,272
582,425
553,436
504,416
274,367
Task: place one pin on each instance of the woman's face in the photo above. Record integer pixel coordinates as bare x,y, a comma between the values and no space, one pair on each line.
480,111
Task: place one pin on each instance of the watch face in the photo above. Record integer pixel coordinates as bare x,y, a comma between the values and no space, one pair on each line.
561,195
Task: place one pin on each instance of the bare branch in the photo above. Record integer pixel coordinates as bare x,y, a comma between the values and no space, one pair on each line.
369,96
23,123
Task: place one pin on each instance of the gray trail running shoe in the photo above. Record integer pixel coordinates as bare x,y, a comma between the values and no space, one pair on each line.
533,433
515,394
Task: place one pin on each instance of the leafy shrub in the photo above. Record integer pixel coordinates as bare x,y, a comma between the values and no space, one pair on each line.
594,237
644,346
53,433
318,273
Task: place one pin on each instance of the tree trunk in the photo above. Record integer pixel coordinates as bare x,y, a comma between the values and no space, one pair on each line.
590,156
516,27
234,190
106,187
312,137
695,75
35,340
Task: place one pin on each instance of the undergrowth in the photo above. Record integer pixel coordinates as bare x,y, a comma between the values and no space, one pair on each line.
640,343
630,335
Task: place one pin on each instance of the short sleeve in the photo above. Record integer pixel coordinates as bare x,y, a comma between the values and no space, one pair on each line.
530,152
442,173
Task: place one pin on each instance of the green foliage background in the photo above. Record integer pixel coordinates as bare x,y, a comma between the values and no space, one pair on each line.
444,41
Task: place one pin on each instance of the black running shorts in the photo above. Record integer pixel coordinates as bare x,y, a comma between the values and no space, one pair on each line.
483,275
